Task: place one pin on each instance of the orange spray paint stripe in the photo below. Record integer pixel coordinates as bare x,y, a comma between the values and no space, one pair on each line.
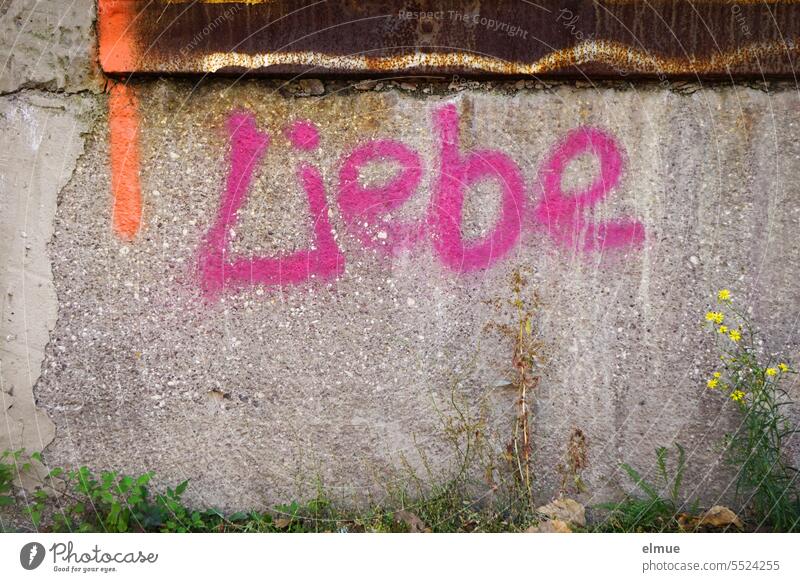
123,122
116,32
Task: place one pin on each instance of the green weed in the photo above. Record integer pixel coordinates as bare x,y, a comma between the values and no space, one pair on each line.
765,480
654,512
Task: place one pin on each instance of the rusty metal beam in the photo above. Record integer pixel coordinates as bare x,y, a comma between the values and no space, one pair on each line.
600,38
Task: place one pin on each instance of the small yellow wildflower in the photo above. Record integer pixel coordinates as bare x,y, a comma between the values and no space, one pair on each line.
723,329
712,383
717,374
737,395
711,315
735,335
771,371
724,295
783,367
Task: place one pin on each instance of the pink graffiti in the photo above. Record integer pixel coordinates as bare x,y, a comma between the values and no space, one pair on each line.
366,211
562,213
369,213
303,135
447,204
217,270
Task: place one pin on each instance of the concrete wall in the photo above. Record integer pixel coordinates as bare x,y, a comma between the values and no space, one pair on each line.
179,343
48,82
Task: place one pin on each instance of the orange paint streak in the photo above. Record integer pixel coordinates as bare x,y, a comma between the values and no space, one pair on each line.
117,48
123,122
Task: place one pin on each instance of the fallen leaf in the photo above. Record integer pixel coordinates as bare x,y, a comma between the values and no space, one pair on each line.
414,523
282,522
687,521
550,526
720,516
566,509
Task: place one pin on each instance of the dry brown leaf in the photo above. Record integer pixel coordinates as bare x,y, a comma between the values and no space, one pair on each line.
414,523
550,526
566,509
282,522
720,516
687,521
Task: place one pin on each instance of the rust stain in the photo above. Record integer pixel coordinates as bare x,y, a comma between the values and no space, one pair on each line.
609,53
219,1
603,37
700,2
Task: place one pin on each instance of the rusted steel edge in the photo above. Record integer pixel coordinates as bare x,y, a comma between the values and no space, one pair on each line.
134,38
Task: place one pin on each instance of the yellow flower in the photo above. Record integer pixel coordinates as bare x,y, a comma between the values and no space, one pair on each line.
737,395
724,295
717,374
735,335
715,316
712,383
771,371
723,329
783,367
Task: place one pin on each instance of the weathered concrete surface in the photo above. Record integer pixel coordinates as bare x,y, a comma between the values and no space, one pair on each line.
259,394
48,44
42,137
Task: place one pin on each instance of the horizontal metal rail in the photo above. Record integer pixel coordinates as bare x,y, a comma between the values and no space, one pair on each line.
594,38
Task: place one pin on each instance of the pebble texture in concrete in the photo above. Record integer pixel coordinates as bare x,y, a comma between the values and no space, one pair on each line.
260,393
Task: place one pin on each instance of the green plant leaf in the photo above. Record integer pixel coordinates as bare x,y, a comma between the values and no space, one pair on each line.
36,516
125,483
113,514
640,482
679,471
661,461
